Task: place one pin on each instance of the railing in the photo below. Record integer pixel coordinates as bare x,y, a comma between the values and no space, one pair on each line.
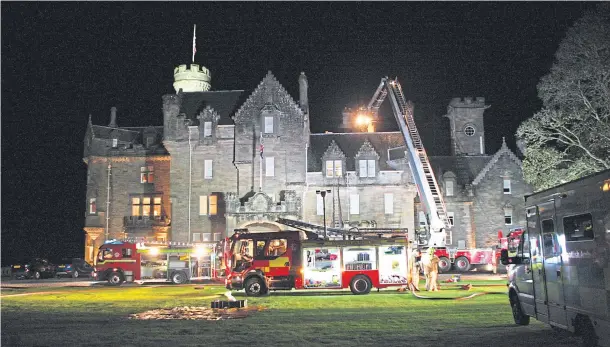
145,221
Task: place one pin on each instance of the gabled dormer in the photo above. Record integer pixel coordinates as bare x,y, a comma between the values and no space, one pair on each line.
333,162
367,161
208,125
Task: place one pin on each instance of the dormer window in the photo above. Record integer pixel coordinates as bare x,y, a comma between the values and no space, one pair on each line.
334,168
268,125
449,187
207,129
115,143
449,180
150,141
366,168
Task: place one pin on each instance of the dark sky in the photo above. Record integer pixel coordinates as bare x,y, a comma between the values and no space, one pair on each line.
64,61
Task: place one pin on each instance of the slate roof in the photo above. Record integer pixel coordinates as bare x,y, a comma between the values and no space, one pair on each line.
124,134
350,144
224,102
472,164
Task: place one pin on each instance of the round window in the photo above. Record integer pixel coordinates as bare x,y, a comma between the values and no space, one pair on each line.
469,130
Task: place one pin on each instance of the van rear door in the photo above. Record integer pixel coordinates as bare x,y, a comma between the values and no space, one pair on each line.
537,263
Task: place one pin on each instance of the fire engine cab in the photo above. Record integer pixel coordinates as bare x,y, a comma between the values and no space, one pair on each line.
259,262
130,261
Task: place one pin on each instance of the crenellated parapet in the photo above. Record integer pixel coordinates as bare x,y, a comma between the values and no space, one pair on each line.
193,78
468,102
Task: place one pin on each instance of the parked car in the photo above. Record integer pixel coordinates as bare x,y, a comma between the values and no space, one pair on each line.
74,267
35,268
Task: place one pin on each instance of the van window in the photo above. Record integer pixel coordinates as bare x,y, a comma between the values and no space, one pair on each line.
579,227
549,238
126,252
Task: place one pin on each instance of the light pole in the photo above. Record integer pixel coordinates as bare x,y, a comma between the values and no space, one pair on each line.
323,194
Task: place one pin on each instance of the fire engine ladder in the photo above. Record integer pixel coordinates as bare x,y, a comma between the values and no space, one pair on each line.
339,233
423,175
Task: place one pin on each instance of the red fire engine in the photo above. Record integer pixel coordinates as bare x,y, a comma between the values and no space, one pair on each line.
259,262
129,261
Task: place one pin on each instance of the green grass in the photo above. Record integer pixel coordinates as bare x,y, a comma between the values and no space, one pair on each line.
98,317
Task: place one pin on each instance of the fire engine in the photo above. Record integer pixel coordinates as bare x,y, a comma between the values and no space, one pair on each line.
151,261
437,226
259,262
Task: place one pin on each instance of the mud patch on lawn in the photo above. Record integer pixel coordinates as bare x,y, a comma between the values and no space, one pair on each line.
196,313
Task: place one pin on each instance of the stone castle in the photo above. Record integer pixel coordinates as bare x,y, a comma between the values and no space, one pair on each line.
234,159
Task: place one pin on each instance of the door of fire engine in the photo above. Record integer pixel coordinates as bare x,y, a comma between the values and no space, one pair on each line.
552,264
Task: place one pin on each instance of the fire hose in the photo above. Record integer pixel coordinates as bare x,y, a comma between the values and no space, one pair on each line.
473,295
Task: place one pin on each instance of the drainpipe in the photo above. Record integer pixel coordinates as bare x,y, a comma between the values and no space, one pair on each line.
108,202
306,181
190,185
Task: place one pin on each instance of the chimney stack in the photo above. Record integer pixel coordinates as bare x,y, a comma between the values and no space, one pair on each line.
303,93
112,117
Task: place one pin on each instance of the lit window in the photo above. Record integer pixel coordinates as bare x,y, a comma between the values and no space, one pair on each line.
451,218
92,206
207,129
366,168
469,130
268,125
157,206
388,199
334,168
135,206
508,216
207,169
449,188
115,143
354,204
203,205
147,174
269,166
146,206
507,189
206,237
213,205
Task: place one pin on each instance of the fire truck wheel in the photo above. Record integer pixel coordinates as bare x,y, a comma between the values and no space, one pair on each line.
518,315
115,279
360,285
462,264
179,277
255,287
444,264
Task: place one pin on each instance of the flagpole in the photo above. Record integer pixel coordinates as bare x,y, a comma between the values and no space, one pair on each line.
194,37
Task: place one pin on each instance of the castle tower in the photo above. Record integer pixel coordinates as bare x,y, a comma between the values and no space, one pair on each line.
192,79
466,124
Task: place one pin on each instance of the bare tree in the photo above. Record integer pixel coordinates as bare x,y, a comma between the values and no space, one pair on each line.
570,137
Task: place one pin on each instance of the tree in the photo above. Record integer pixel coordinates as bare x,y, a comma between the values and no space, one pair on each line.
570,137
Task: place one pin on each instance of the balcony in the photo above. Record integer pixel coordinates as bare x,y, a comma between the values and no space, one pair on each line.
145,221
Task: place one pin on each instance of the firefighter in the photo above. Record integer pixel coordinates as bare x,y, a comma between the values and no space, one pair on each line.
414,266
432,271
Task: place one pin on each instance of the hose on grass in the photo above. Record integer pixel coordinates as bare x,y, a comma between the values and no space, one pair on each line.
473,295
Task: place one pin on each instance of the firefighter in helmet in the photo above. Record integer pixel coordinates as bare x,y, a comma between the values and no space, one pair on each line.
414,265
431,270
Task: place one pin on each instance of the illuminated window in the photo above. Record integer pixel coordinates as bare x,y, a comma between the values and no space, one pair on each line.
207,129
469,130
135,206
146,206
508,216
354,204
207,169
208,205
268,125
92,206
207,237
388,199
147,174
269,167
449,188
366,168
156,206
115,143
507,189
334,168
451,218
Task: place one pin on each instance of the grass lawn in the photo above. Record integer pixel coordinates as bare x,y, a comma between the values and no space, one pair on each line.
98,317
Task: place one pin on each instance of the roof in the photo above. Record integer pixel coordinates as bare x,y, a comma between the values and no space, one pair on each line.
126,134
504,150
350,144
471,165
224,102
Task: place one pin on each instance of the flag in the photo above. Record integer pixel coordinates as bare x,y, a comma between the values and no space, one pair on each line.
194,38
261,147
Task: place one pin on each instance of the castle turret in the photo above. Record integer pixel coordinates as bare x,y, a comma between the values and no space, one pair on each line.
192,79
467,126
303,93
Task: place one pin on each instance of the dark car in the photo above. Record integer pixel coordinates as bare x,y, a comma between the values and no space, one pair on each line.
35,268
74,267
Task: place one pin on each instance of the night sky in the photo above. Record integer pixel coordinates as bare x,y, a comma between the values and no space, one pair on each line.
64,61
